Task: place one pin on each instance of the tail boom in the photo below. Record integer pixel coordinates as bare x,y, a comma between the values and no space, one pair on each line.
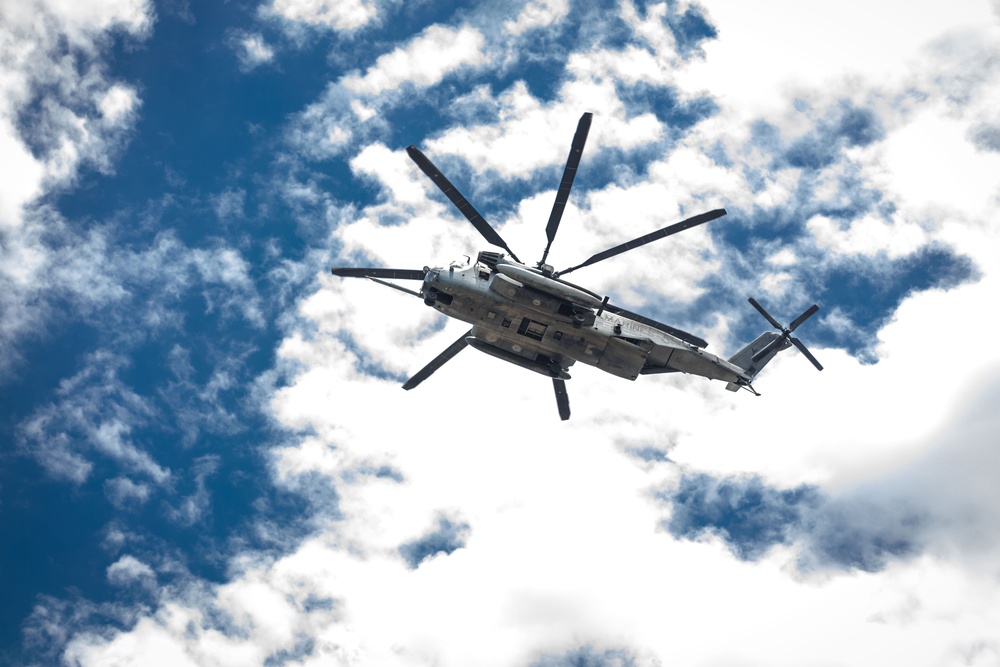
745,357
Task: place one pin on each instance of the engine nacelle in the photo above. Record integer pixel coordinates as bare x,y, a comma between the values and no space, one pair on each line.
553,286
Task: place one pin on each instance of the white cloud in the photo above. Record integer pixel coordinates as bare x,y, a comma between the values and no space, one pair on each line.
423,62
129,570
393,171
784,257
70,134
82,24
775,283
953,171
537,15
867,236
652,27
117,104
530,135
253,51
20,172
754,72
342,15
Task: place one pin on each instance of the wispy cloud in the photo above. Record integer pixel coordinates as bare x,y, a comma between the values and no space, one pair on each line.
194,508
125,493
94,412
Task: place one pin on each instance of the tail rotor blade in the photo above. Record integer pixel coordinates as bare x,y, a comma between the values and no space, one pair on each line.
460,202
371,272
766,350
569,173
693,221
767,316
803,317
786,334
562,398
437,362
808,355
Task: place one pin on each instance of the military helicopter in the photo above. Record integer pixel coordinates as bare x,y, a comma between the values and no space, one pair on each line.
533,318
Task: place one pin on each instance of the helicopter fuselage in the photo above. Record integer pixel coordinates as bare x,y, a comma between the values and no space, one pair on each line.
546,325
533,318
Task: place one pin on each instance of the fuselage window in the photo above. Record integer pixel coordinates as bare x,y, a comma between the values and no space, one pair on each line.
532,329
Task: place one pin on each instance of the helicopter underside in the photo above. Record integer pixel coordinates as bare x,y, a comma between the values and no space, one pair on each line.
547,334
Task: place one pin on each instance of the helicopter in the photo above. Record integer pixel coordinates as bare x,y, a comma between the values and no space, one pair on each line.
532,317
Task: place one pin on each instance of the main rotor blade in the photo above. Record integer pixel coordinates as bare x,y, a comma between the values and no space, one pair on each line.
802,348
767,315
803,317
562,398
437,362
369,272
569,173
460,202
396,287
694,221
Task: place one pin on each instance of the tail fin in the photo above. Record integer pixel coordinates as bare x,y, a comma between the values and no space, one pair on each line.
744,358
755,356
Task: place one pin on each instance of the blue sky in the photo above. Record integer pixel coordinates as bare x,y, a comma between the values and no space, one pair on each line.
206,457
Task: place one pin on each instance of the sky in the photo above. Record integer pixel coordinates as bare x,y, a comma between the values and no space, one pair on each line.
206,455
